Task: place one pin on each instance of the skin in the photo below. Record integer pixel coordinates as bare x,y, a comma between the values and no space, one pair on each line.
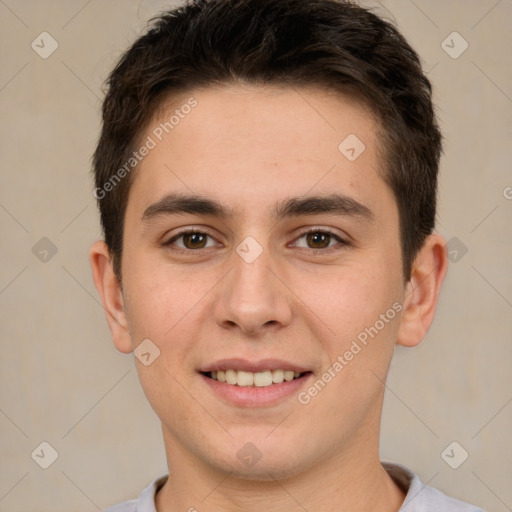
250,147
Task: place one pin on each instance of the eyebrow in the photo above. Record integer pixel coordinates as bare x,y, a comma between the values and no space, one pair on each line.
176,204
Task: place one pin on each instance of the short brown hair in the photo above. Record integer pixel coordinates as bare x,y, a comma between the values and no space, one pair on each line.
335,44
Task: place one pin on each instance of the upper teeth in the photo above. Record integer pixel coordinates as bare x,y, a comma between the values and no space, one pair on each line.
259,379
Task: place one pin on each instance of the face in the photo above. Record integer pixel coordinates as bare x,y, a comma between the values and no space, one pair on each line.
289,266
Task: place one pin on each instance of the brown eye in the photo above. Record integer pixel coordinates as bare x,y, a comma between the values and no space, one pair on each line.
318,239
194,240
191,241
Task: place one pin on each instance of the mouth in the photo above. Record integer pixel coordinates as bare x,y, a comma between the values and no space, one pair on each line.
243,382
261,379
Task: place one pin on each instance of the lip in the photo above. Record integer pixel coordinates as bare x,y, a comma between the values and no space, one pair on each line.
255,397
253,366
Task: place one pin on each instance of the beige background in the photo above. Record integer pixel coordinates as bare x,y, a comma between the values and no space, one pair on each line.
62,380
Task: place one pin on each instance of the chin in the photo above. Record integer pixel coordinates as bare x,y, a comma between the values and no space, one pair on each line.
268,464
264,472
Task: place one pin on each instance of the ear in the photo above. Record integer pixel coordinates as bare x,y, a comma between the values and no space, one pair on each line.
422,291
111,295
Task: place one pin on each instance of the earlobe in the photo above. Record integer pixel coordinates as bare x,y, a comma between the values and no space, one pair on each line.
422,291
109,289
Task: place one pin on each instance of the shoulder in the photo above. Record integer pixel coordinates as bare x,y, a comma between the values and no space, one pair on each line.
421,497
146,500
126,506
435,500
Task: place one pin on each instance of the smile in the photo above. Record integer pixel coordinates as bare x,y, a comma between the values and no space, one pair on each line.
253,379
244,382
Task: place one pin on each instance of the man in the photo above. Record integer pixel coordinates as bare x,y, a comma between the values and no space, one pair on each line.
266,176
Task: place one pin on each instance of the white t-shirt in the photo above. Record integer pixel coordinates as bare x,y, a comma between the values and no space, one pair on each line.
419,497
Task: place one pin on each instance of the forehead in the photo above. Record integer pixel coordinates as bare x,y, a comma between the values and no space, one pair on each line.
275,117
250,145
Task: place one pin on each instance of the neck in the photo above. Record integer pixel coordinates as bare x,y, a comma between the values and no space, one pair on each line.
349,479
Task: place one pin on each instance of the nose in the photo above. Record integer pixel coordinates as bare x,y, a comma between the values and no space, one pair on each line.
252,298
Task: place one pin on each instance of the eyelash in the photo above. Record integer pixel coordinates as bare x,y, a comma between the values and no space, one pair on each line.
342,243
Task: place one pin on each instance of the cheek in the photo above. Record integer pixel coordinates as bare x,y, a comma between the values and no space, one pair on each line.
362,312
157,296
346,300
159,306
